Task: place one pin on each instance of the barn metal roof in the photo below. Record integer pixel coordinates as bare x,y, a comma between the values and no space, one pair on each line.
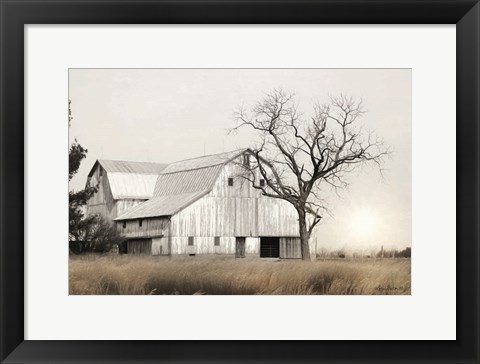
181,184
162,206
132,180
112,166
187,181
202,162
130,185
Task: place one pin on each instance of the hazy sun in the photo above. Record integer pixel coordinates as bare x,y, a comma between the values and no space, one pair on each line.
363,223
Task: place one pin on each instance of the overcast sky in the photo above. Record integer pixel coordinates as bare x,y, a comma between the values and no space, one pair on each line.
165,115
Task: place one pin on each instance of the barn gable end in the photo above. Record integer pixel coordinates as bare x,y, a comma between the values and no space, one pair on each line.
121,185
102,202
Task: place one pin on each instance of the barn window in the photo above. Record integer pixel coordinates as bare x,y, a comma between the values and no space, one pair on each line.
101,171
124,224
216,241
246,160
140,222
262,183
190,240
230,181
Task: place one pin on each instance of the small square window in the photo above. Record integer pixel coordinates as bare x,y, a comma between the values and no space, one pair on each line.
190,241
262,183
140,222
230,181
216,241
124,224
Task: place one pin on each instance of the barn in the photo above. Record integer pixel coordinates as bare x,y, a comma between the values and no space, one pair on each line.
120,186
196,206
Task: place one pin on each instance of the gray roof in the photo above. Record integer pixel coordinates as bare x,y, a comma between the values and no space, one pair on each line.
132,185
181,184
162,205
130,180
201,162
188,181
129,167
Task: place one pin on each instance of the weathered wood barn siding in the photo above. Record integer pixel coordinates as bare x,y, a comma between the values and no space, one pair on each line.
153,237
228,212
256,215
215,216
152,227
123,206
161,246
102,201
290,248
276,218
139,246
206,245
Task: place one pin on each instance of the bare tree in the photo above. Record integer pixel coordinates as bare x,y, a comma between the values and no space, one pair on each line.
297,157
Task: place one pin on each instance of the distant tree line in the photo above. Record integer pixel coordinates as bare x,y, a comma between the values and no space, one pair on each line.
342,254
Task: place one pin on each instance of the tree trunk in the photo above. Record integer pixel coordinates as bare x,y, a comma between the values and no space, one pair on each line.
304,236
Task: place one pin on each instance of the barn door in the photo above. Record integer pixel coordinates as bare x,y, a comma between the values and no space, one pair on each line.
139,246
269,247
240,247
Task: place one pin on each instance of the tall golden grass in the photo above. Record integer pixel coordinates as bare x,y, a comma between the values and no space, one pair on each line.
217,275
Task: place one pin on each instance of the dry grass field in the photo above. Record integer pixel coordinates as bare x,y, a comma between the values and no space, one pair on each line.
143,275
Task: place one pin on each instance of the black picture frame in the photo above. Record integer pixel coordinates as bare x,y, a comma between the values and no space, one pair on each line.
15,14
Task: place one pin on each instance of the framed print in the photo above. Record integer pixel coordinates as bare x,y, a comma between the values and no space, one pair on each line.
216,209
246,181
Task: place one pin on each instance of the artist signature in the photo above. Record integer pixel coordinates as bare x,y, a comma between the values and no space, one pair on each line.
388,288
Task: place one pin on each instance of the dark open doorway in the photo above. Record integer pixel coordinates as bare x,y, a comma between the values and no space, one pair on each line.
270,247
240,247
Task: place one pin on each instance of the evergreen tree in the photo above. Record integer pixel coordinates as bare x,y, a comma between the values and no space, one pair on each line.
77,199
